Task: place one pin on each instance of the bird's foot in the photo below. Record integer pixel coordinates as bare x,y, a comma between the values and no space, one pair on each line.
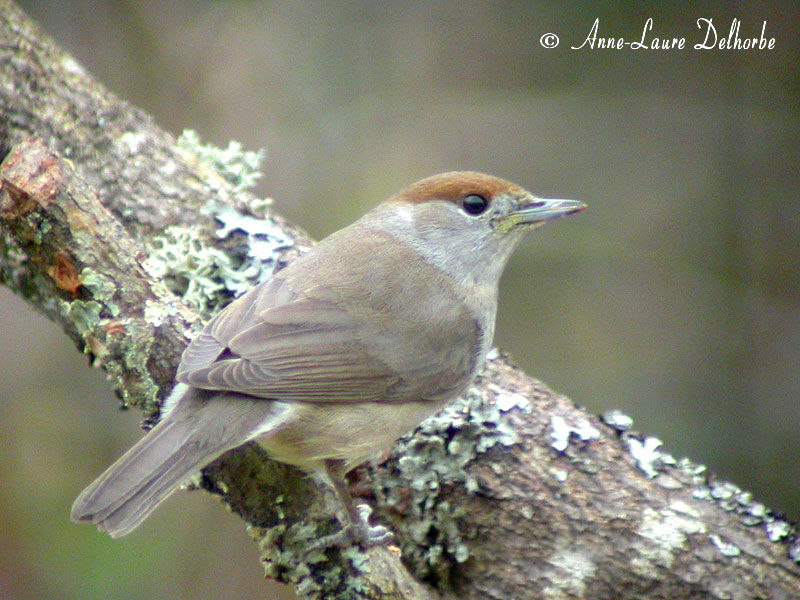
369,535
359,531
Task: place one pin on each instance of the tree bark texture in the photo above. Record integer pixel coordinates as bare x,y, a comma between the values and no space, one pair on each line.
511,492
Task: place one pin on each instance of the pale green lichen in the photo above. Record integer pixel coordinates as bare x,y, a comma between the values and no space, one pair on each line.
158,313
618,420
778,529
315,574
206,278
201,275
794,550
84,314
239,167
40,232
134,347
507,401
569,434
357,558
560,475
125,358
101,286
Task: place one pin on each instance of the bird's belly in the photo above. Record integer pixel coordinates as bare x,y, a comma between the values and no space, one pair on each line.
350,432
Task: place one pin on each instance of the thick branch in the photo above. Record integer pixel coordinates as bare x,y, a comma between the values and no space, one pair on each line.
512,493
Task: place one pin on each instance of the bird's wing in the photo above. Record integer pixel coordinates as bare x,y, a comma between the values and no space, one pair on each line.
271,344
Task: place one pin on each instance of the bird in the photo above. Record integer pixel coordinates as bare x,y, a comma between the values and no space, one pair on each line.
340,353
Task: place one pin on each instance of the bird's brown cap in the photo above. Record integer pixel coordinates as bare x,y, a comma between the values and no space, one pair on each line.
453,186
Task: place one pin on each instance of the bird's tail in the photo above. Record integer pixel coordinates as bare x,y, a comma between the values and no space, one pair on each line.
202,426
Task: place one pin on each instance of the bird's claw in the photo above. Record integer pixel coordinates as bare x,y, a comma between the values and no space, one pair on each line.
376,535
359,531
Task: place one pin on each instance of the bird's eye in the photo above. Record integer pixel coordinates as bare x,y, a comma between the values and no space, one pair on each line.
474,204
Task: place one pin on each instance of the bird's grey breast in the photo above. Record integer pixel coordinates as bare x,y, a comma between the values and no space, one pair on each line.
424,324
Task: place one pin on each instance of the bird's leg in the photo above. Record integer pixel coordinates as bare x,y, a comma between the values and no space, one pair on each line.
356,522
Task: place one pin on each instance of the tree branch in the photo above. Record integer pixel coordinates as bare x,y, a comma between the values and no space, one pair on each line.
511,493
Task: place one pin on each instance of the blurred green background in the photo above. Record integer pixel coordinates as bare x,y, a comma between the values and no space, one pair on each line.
675,298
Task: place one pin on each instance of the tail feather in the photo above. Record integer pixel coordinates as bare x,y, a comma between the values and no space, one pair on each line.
202,427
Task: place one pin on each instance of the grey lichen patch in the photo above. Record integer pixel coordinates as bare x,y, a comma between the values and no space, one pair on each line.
207,278
662,534
648,455
264,238
731,498
134,141
794,550
569,571
239,167
562,432
777,529
618,420
725,548
428,463
652,461
158,313
507,401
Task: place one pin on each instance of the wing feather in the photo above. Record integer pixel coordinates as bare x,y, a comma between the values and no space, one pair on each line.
273,344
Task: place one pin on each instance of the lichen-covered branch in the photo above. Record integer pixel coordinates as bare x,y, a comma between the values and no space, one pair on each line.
79,266
512,492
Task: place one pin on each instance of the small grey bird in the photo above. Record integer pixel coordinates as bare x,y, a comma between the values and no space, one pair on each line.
342,352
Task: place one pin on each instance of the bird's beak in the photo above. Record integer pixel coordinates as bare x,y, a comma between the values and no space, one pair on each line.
538,211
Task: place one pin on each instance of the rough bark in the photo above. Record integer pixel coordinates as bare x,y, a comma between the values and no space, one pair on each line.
512,492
